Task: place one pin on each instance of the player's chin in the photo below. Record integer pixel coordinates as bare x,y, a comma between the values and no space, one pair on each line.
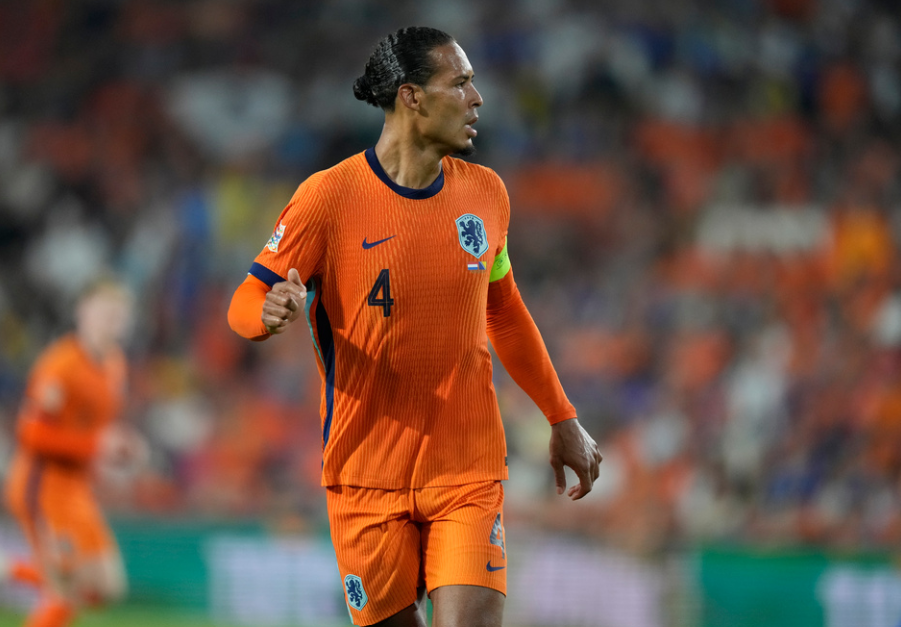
466,150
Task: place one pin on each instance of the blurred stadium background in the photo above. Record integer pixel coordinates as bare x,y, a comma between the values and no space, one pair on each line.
706,223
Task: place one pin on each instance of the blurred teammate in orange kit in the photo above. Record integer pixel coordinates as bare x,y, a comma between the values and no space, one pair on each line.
65,429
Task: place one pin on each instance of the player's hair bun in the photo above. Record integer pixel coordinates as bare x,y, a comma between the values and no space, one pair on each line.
363,90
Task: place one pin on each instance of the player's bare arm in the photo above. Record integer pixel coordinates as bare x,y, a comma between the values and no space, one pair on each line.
283,303
572,446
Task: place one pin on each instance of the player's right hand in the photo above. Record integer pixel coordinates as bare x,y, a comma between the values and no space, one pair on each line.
122,445
283,303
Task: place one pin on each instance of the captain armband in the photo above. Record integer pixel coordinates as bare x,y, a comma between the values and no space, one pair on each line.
501,265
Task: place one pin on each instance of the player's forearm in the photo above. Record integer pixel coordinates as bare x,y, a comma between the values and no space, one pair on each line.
518,343
49,440
246,308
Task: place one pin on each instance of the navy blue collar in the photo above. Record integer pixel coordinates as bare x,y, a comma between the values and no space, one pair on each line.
406,192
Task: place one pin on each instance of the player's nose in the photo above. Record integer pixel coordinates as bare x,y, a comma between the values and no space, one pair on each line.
477,98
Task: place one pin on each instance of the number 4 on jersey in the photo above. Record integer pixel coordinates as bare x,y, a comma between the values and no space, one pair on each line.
383,285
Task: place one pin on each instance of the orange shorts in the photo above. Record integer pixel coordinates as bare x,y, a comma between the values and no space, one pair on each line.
58,513
390,543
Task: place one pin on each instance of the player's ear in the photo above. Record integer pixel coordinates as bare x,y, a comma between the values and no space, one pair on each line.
410,96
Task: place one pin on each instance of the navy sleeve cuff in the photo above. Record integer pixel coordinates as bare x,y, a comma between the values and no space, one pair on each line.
265,275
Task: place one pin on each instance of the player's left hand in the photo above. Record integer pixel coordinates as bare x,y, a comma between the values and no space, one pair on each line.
572,446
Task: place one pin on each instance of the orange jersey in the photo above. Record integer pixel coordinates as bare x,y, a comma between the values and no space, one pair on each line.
87,396
398,284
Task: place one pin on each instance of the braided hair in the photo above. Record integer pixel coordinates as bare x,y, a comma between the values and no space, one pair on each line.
402,57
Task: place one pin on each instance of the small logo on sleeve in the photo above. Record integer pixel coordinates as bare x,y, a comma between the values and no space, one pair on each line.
273,242
492,569
356,595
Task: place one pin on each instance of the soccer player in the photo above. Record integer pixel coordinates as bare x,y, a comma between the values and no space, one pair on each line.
398,258
73,394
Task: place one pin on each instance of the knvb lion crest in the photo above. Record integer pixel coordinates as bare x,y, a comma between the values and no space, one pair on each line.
497,536
471,230
356,595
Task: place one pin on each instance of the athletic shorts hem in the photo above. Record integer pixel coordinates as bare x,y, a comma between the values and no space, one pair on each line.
376,616
495,585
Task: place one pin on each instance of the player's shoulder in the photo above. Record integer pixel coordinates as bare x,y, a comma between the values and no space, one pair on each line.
61,355
478,177
322,189
474,174
339,176
64,347
454,166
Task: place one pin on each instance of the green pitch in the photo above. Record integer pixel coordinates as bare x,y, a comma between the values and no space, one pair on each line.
125,617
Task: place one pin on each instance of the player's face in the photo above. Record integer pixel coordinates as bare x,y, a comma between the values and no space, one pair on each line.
450,102
104,318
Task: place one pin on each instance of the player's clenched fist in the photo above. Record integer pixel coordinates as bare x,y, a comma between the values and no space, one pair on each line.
284,302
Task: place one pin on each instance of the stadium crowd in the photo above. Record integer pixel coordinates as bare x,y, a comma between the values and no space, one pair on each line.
706,215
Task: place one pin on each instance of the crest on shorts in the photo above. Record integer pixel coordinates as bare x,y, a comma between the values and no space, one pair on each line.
471,231
356,595
497,536
272,244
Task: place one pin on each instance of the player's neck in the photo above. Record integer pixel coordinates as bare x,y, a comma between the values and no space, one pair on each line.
408,164
96,348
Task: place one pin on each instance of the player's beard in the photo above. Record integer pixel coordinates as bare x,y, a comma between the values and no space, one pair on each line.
466,152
